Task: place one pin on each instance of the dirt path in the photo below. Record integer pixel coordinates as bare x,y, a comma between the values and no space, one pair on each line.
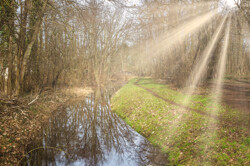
174,103
236,94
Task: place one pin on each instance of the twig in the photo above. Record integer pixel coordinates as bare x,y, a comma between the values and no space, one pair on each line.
34,100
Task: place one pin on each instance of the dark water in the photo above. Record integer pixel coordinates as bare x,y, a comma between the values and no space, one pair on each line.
89,133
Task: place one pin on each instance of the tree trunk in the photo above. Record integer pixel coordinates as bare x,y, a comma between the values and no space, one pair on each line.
10,55
21,46
30,45
10,66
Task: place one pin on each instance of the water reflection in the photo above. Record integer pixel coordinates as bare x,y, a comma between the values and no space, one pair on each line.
89,133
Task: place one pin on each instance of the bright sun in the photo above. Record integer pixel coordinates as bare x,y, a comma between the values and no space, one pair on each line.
229,3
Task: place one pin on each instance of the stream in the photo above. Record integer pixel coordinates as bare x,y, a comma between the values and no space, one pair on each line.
87,132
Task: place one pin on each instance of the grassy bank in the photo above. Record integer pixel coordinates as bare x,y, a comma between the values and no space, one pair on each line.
20,121
191,134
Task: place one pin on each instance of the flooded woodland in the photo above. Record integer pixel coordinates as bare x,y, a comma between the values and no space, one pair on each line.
124,83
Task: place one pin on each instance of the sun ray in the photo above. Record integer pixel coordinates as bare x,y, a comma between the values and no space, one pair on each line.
216,92
198,71
164,44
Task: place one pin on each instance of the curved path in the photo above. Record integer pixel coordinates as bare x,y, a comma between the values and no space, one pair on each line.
174,103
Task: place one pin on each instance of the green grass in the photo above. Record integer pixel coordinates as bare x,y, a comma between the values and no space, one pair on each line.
189,137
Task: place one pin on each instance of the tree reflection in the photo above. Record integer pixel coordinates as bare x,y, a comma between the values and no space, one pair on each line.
89,133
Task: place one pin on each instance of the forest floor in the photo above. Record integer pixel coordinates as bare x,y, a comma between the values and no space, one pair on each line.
21,119
197,133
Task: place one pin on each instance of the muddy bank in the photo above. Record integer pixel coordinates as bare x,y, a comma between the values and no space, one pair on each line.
21,119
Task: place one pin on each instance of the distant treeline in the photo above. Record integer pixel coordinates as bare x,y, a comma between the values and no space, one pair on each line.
49,43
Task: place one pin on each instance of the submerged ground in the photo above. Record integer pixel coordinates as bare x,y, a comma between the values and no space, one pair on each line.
191,134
